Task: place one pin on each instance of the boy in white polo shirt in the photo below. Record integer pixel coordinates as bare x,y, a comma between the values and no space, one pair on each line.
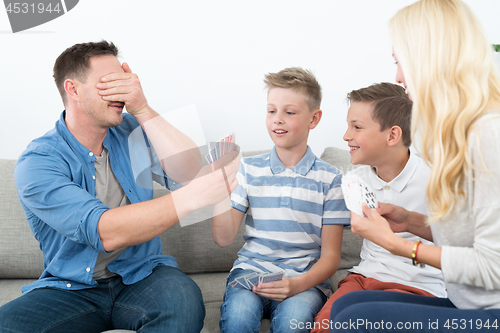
295,216
379,136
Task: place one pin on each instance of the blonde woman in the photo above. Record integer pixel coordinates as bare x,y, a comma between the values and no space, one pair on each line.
446,64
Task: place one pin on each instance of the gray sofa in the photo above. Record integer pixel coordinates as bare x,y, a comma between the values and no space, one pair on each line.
21,260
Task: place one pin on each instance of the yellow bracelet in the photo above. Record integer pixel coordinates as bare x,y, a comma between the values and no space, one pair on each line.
414,252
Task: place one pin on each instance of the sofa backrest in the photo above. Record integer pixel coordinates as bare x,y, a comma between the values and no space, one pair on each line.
192,246
184,243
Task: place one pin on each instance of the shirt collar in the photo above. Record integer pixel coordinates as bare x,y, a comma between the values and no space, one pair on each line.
62,128
302,168
401,180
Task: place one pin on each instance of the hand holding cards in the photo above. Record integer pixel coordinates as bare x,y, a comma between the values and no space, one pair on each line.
223,146
356,191
211,186
250,280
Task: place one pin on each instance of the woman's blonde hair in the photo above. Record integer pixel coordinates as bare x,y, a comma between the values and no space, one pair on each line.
451,75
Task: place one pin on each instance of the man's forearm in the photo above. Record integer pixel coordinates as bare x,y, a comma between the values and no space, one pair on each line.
179,156
140,222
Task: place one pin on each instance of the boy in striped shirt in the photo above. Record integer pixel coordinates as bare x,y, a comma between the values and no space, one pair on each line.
295,216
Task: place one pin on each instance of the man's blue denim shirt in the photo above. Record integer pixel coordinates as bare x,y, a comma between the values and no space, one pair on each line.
55,179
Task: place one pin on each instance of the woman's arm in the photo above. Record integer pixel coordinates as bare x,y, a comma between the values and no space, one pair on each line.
377,229
402,220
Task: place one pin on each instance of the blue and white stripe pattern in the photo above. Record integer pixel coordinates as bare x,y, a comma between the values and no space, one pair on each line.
286,209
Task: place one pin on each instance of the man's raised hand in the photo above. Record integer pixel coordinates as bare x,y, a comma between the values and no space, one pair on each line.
124,87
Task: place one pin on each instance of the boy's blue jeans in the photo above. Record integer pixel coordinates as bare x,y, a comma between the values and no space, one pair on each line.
165,301
243,310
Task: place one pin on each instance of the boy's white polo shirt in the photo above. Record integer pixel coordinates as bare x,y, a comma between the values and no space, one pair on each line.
408,191
286,209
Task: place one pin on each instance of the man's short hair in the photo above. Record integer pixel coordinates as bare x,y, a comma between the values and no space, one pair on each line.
74,62
297,79
391,106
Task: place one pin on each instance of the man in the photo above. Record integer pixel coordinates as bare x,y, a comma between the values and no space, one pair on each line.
86,188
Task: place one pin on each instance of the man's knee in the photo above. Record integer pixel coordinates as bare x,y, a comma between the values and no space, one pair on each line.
191,298
182,292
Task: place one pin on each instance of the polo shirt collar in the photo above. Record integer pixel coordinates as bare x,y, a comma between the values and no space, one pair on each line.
400,182
302,168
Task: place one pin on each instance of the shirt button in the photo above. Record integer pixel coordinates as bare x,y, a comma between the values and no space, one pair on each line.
88,269
91,154
387,187
68,285
93,177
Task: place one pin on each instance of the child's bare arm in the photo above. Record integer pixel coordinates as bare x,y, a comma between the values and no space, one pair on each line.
225,223
331,243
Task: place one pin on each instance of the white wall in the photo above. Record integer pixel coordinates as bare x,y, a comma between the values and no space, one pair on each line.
213,54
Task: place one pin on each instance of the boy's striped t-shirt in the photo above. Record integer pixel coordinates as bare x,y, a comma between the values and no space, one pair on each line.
286,209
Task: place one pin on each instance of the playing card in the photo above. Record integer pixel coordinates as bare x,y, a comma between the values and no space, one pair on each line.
241,281
237,284
231,142
352,194
269,277
356,191
218,150
252,279
213,155
208,157
369,197
225,144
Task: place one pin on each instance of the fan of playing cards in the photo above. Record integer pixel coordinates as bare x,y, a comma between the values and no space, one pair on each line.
250,280
223,146
356,191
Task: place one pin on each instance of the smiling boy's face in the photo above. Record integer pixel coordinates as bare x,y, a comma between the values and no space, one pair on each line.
289,119
366,142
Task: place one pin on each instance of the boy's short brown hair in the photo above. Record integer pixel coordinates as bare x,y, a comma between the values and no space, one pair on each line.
297,79
391,106
74,62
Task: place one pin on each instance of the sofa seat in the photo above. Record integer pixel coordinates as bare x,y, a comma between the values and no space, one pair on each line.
21,261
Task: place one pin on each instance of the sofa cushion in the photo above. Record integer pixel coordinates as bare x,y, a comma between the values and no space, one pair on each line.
195,251
339,158
184,243
20,255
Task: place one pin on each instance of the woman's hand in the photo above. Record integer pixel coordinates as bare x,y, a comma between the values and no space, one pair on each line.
396,216
402,220
373,227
